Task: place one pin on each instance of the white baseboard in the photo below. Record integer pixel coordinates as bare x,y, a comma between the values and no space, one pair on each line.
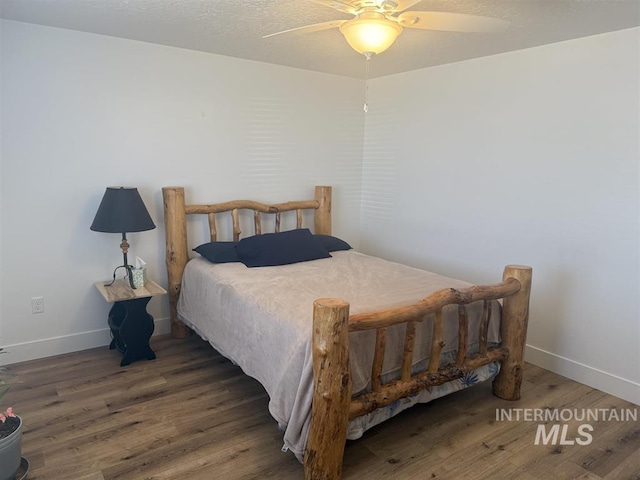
49,347
606,382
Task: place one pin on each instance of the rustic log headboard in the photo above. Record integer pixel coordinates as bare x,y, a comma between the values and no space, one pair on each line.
175,220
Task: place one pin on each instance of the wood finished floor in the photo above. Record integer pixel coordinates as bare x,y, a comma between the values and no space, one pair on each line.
192,414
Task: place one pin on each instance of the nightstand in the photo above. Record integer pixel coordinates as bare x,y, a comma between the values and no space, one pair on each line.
131,326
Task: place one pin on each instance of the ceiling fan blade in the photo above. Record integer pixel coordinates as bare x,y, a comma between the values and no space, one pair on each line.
402,5
338,5
316,27
452,22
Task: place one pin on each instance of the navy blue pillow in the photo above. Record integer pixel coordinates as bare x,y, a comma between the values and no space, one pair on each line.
333,244
271,249
218,252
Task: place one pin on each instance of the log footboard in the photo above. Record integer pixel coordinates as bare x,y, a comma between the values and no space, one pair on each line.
332,390
333,405
515,318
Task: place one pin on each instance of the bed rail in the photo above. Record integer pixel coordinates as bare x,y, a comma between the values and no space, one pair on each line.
333,405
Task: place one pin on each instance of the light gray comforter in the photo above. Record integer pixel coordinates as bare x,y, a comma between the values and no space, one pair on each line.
261,319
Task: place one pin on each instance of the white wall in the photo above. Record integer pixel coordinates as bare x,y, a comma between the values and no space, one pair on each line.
82,112
1,174
527,157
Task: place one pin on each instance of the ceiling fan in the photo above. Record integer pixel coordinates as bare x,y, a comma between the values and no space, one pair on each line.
378,23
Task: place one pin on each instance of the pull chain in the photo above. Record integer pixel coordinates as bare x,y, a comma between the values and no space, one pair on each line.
365,107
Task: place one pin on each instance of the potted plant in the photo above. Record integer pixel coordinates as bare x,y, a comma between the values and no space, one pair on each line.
10,437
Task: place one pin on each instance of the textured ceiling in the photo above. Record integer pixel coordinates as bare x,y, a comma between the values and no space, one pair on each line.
236,27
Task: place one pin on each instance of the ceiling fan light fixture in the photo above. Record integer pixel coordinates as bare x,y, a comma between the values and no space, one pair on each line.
370,32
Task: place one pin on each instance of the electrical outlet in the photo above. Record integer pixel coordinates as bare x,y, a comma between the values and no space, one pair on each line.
37,304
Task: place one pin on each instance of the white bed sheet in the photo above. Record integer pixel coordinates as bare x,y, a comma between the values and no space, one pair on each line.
261,319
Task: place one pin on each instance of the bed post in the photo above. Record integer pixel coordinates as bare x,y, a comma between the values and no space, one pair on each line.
323,213
177,254
515,317
331,392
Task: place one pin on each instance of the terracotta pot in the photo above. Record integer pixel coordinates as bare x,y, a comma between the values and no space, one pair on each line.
10,454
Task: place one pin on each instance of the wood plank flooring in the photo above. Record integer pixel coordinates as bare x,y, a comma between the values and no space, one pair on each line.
192,414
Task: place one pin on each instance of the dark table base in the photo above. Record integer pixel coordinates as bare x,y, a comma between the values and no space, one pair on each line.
131,328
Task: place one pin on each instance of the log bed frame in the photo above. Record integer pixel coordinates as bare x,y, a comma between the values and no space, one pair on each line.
333,405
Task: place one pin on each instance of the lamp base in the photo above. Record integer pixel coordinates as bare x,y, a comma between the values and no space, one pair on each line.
129,275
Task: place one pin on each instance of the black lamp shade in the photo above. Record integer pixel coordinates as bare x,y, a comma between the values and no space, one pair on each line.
122,210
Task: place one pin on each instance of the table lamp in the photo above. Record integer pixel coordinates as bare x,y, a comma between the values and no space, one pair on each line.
122,210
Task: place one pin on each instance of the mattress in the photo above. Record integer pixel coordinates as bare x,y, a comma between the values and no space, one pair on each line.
261,319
